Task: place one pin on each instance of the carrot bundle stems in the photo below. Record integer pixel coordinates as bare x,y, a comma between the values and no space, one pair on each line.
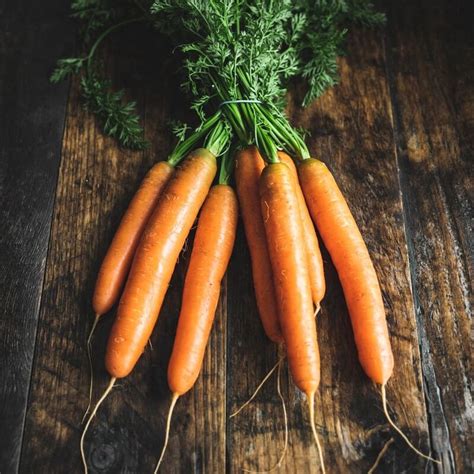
89,420
174,399
399,431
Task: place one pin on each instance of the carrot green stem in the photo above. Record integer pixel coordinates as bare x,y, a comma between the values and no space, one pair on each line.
105,34
183,148
227,166
218,138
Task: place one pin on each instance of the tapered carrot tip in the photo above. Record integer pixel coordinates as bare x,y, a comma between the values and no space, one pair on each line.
400,432
310,397
94,411
380,456
91,368
259,386
167,432
278,464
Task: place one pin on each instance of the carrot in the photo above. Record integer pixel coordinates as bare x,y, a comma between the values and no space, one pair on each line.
118,259
155,259
351,258
315,260
248,168
156,256
354,266
212,248
285,239
152,267
210,256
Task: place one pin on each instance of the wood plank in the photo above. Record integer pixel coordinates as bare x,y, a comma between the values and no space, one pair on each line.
96,182
351,129
431,53
32,114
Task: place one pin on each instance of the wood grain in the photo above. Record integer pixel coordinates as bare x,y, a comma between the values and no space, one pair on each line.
95,184
32,114
431,64
398,134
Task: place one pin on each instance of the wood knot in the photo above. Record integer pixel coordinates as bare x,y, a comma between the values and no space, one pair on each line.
104,456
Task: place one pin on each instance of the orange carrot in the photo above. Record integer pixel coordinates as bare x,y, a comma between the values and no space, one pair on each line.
315,260
284,232
351,258
118,259
210,256
248,168
155,260
114,269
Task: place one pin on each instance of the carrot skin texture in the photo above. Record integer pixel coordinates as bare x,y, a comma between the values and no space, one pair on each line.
118,259
212,248
248,168
315,259
155,260
354,266
284,231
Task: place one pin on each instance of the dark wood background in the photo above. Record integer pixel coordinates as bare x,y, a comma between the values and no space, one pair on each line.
398,132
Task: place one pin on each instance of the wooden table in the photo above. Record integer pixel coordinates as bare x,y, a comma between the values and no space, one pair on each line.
398,133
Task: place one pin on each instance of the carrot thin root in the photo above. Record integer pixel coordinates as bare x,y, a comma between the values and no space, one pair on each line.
167,433
91,368
400,432
380,456
260,385
285,417
317,309
94,411
313,428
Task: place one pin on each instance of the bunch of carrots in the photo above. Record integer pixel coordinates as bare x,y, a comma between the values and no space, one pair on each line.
237,57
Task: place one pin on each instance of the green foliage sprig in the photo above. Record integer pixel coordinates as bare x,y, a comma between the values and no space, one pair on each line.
118,118
232,49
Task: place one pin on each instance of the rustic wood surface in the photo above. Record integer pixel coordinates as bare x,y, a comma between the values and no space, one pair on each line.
32,115
398,132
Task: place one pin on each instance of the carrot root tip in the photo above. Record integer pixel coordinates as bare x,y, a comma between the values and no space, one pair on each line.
313,428
380,456
167,432
259,386
399,431
86,427
91,368
285,417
